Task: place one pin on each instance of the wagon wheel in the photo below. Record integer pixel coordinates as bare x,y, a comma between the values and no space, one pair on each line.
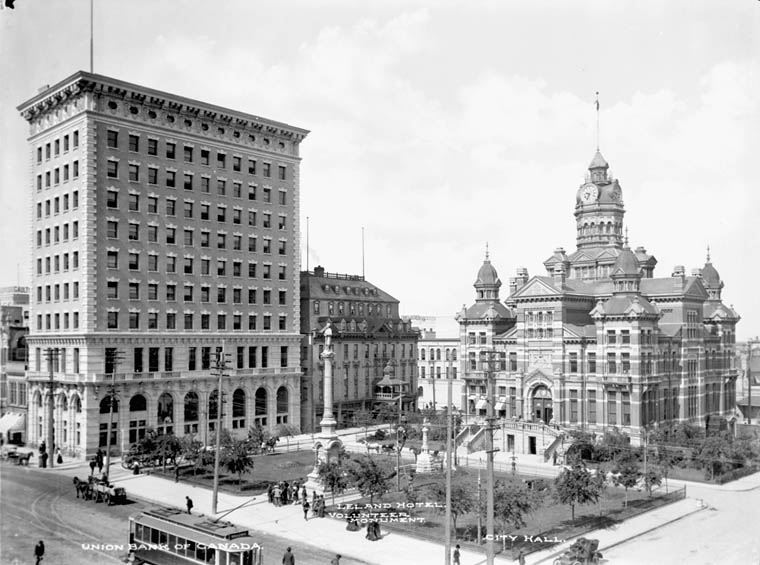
107,497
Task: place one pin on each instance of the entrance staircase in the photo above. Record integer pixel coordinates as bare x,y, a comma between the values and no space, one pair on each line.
528,437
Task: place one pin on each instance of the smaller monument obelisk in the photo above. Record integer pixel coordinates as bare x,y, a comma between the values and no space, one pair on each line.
327,444
425,462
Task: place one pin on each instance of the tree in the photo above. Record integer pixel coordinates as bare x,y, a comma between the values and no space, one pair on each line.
576,486
364,419
652,478
665,460
611,445
714,455
511,501
257,436
168,447
237,458
626,472
333,476
369,477
461,500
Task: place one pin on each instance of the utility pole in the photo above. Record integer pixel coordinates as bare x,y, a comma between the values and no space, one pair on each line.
480,520
490,357
749,381
113,357
52,359
398,445
221,367
449,426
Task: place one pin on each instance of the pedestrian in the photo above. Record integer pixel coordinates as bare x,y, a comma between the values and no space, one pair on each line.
554,458
303,493
176,473
100,464
189,503
521,557
39,552
336,559
306,507
288,558
322,506
270,493
92,466
59,456
43,460
456,555
277,495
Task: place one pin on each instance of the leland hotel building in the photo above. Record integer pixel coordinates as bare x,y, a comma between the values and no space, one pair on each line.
163,231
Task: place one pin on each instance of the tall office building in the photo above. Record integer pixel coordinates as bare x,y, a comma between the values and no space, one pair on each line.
164,231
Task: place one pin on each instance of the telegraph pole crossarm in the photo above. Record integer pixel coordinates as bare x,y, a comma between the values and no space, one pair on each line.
221,367
113,357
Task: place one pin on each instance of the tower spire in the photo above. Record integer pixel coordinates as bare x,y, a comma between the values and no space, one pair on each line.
626,236
486,251
708,253
597,120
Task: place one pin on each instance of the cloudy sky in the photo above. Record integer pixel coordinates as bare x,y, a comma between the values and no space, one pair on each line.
441,125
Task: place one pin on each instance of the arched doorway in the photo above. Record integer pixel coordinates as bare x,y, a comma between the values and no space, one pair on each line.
542,409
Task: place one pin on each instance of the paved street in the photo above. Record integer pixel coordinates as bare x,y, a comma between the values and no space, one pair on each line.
37,504
727,532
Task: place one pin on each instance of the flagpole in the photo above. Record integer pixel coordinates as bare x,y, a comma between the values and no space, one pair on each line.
597,121
92,44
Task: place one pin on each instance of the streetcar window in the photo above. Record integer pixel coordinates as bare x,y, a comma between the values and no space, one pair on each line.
138,531
154,535
181,545
200,553
235,559
172,543
210,555
163,538
248,557
190,549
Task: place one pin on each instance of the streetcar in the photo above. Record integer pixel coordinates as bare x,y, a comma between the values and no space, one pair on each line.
168,536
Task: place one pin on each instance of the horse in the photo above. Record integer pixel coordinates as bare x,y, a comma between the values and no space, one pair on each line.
269,444
376,447
82,487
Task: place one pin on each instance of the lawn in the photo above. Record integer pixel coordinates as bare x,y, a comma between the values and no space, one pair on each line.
270,468
549,521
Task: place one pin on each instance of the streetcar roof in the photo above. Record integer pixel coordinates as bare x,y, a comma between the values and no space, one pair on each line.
198,528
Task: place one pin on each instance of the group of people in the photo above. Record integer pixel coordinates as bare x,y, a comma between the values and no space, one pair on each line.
289,559
284,493
97,461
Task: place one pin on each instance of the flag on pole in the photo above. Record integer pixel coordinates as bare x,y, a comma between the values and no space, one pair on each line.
597,101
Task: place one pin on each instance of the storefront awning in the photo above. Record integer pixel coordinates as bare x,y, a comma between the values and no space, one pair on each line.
500,406
11,421
481,405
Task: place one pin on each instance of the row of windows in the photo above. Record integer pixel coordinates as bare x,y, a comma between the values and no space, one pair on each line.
190,266
190,321
354,308
58,292
58,175
57,234
58,204
435,354
58,321
66,142
189,155
189,239
188,182
56,263
150,291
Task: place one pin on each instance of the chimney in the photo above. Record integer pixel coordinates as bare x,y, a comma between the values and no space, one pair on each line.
516,283
696,272
679,271
319,271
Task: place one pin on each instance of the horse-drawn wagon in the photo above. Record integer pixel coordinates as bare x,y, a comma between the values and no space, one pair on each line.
100,490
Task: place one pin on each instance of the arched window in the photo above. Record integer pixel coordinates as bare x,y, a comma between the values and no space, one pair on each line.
105,405
282,405
138,403
453,354
190,409
38,399
238,409
437,354
64,403
76,403
260,407
422,354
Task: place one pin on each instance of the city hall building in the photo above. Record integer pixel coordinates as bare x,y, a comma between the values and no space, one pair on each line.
600,341
164,231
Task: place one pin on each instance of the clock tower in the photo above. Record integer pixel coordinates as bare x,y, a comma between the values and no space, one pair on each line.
599,208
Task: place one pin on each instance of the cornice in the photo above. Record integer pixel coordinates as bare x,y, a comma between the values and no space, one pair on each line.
82,82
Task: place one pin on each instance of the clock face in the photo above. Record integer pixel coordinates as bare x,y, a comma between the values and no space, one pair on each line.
589,193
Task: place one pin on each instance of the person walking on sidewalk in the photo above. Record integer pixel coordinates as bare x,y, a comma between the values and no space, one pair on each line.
306,507
189,503
288,558
92,466
39,552
456,555
336,560
521,557
176,473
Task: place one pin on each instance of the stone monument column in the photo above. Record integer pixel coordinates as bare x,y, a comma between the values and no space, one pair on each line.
327,444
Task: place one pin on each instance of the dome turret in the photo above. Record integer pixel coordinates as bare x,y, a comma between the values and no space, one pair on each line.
711,278
626,272
487,283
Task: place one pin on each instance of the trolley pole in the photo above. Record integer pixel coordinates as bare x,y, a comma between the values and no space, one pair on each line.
489,458
448,465
52,358
112,359
221,366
